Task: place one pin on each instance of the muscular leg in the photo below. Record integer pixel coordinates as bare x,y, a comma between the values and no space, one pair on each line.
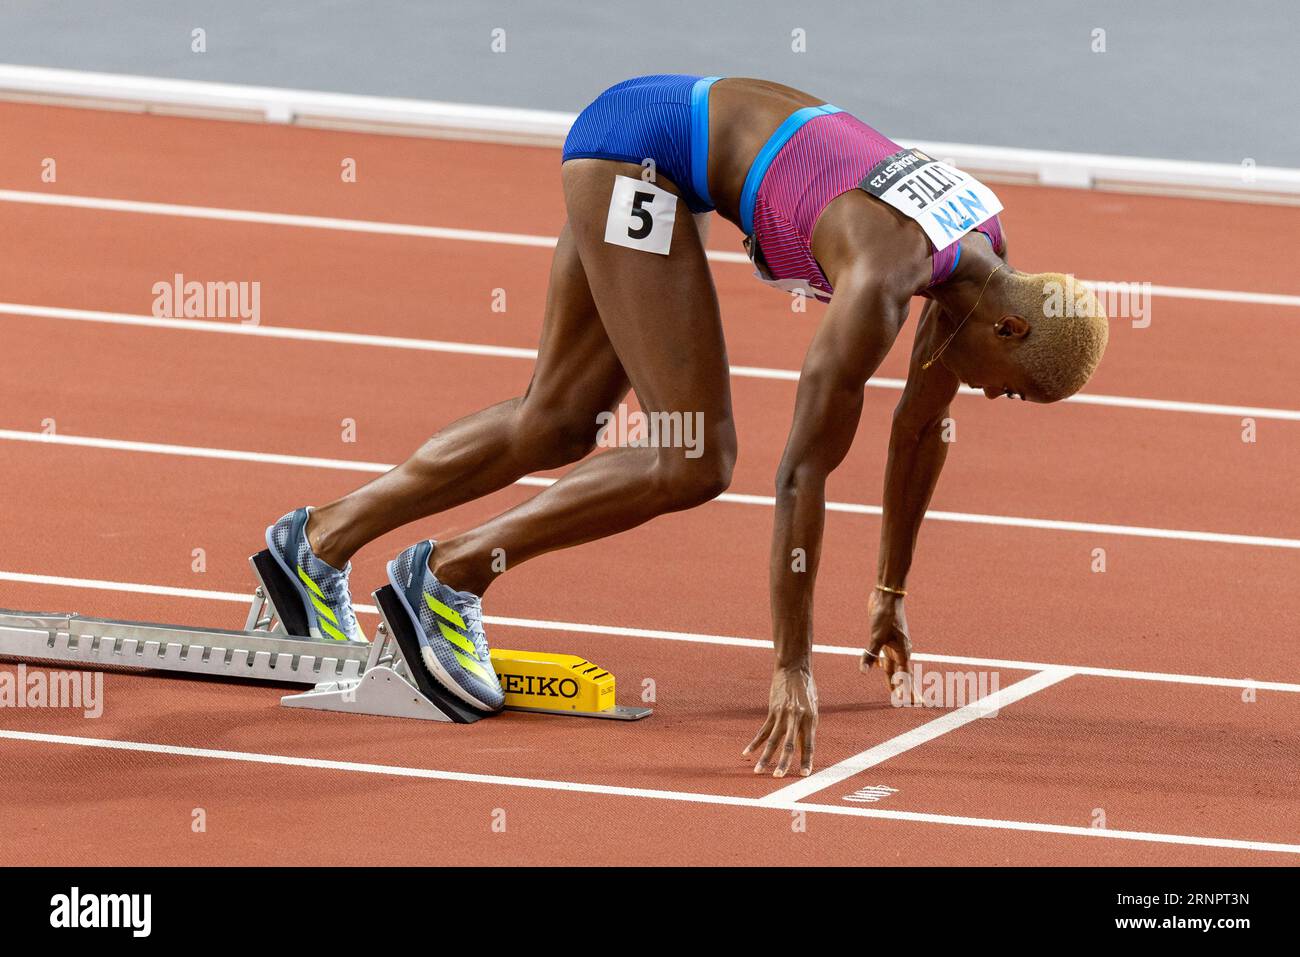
577,375
661,316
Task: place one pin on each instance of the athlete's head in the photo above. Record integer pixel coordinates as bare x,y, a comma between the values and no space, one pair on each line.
1038,336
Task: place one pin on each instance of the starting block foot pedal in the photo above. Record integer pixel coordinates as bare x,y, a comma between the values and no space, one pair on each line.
398,626
381,690
276,599
382,677
394,683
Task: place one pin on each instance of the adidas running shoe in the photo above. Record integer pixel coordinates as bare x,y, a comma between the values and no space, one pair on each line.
449,624
323,588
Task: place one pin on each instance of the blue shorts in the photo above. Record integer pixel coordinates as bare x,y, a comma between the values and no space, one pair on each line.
664,118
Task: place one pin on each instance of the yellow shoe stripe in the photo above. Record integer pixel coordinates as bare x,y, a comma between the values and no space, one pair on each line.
325,610
457,639
438,608
333,632
472,666
306,580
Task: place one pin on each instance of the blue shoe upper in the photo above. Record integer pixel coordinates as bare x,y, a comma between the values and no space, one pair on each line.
451,626
324,589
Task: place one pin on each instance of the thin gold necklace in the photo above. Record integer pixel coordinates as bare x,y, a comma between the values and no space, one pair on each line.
929,362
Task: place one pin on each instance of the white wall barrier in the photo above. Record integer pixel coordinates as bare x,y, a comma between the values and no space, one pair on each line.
1241,181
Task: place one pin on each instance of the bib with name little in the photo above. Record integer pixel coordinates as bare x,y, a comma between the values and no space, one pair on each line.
946,202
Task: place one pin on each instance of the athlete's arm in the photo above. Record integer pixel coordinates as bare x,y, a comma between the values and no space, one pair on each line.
917,449
857,332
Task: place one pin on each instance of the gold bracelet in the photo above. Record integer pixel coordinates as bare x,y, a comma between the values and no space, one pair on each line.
892,591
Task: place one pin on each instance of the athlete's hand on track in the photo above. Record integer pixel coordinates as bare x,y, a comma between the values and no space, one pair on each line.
791,722
891,646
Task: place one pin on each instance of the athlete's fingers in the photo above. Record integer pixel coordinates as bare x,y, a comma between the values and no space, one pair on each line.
787,747
889,666
774,739
763,732
900,675
903,686
807,739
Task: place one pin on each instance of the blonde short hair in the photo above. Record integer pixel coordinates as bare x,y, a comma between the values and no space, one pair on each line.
1067,331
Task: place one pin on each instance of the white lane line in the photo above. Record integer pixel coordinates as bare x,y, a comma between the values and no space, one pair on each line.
194,451
1166,405
1211,295
235,328
619,631
734,498
691,797
485,236
950,721
278,219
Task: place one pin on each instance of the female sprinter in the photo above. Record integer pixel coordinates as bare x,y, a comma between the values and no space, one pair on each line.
828,205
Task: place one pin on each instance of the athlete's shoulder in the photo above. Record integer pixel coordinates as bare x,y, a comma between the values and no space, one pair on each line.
856,232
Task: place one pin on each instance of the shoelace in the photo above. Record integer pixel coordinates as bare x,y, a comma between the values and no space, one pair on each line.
342,601
473,615
350,626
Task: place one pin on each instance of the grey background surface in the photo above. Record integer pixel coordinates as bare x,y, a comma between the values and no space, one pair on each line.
1190,80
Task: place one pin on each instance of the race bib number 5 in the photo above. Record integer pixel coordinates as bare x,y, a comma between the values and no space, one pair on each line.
640,216
945,201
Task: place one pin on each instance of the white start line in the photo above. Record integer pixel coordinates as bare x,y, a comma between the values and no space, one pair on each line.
690,797
788,798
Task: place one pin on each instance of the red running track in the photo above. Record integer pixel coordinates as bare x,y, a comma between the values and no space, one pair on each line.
1180,766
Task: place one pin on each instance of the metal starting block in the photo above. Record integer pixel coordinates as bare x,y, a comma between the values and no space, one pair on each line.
380,677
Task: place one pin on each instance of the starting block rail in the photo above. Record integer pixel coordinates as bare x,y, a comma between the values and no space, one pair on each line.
380,677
